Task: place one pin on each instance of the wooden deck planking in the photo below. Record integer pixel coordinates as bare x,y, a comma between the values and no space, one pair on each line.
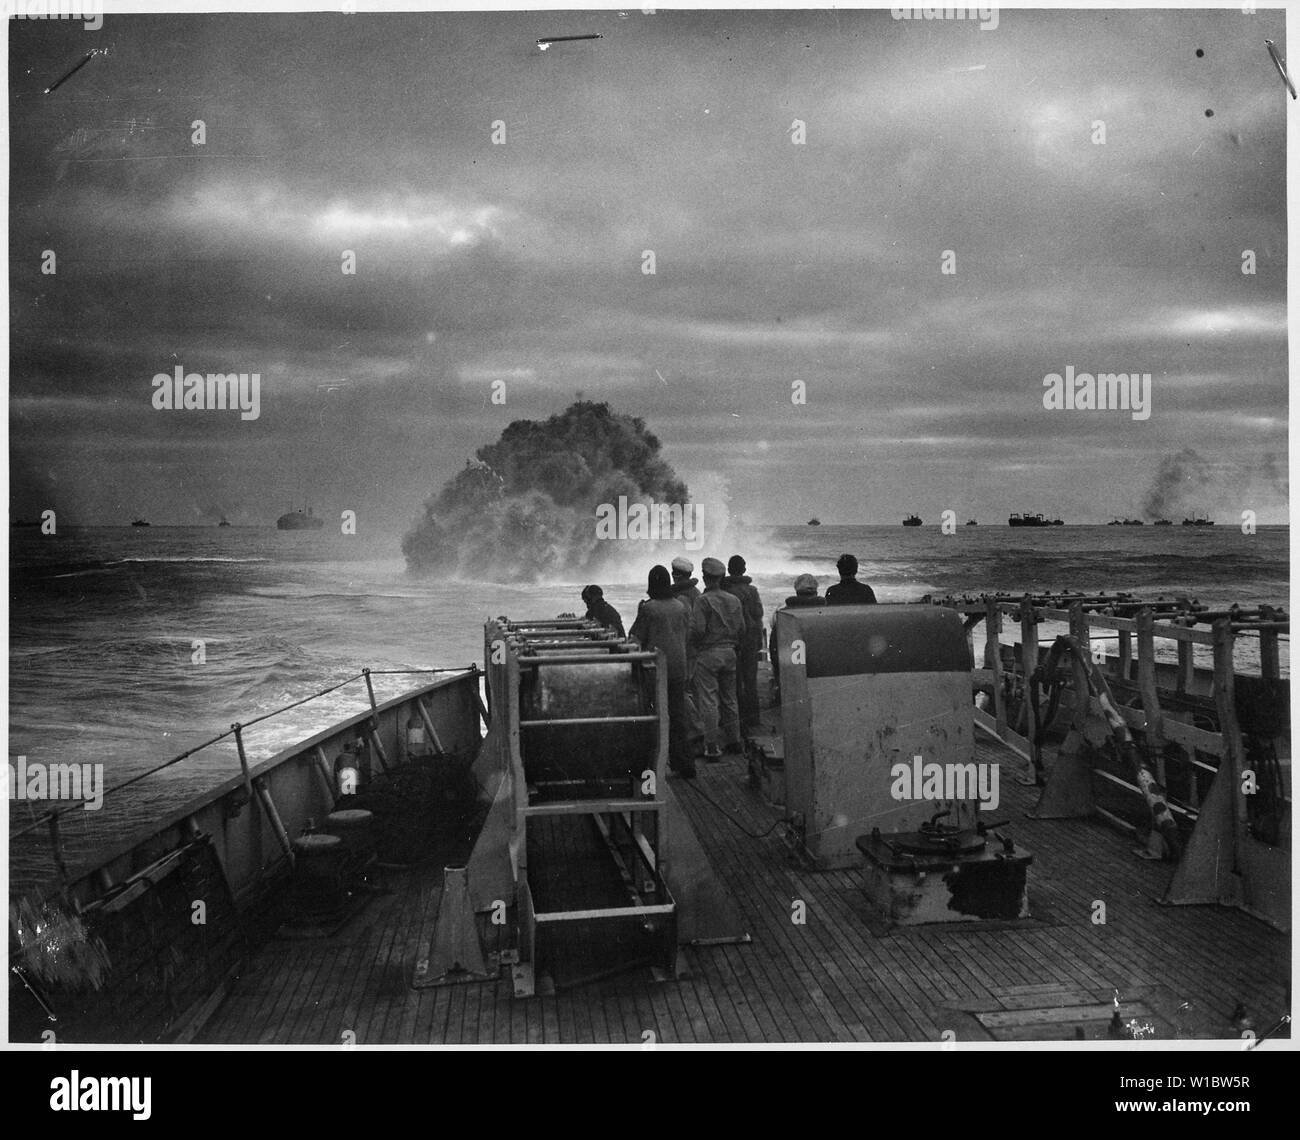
765,1010
923,961
566,1021
418,937
825,891
317,1022
599,1023
792,1016
748,1017
353,988
515,1016
696,992
488,1017
879,975
829,980
310,959
634,1023
937,958
745,875
652,1012
273,986
683,1030
1048,966
1219,941
306,999
373,1012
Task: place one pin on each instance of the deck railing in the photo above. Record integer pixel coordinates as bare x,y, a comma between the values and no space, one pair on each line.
54,821
1186,717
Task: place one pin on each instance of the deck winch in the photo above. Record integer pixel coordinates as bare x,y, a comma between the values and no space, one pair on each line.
946,873
880,761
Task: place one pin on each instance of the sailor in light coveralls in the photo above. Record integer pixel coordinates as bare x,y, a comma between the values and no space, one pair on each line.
717,625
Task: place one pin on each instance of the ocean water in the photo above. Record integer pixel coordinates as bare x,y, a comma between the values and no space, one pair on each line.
103,621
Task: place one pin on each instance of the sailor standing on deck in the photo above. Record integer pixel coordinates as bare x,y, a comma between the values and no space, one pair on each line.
686,591
742,589
662,623
717,626
600,610
848,591
805,594
684,586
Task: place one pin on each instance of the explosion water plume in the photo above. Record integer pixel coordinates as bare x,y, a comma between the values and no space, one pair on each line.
527,508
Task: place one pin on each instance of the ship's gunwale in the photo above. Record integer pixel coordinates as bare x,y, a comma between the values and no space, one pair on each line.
139,835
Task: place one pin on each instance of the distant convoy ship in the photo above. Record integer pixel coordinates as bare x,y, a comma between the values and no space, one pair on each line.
911,520
224,521
297,520
139,522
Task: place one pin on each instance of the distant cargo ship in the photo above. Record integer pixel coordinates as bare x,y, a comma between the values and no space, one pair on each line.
1126,522
297,520
912,520
972,522
1162,522
1197,520
814,522
139,522
224,521
1033,520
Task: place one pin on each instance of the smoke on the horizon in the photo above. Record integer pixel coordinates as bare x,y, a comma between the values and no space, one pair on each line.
217,508
1180,478
1186,482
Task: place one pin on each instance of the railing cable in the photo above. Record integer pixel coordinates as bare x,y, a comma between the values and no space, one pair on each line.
51,816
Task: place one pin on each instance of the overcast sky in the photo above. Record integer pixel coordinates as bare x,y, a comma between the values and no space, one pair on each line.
775,262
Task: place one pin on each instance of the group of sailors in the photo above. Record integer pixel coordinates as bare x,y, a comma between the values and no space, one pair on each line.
712,640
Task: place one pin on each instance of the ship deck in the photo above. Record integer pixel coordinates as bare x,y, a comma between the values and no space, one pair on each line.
835,978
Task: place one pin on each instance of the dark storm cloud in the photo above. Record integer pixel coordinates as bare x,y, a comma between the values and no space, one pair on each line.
775,263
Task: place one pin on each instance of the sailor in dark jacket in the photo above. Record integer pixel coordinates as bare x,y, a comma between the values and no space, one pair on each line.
686,590
600,610
663,623
684,586
849,591
742,589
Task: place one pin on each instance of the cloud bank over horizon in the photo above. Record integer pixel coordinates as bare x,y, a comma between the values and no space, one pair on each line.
518,266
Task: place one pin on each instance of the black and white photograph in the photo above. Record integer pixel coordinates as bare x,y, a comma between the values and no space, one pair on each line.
668,529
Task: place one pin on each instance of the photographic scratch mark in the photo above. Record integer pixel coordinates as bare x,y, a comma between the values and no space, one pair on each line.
1281,67
85,59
